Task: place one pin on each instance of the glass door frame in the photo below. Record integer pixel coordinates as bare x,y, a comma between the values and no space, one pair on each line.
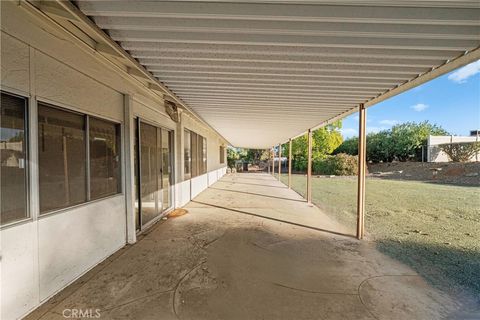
139,227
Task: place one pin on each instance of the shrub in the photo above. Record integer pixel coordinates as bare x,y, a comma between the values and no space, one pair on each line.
460,152
340,164
300,164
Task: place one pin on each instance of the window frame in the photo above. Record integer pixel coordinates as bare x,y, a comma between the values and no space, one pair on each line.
222,155
29,216
205,155
118,141
86,116
138,120
200,163
187,176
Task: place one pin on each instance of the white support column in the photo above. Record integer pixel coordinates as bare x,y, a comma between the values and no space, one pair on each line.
309,168
362,164
279,161
273,161
268,162
129,136
290,164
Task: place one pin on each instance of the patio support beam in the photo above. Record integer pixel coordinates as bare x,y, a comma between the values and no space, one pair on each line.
362,163
273,161
268,162
309,168
290,163
279,161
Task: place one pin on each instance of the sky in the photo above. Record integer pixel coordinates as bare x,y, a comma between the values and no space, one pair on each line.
451,101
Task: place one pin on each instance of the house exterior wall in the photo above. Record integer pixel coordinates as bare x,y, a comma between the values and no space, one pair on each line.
435,154
43,254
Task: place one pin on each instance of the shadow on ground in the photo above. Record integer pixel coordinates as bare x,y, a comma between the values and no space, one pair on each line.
442,265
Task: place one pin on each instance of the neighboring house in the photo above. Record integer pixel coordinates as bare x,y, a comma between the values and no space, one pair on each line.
435,154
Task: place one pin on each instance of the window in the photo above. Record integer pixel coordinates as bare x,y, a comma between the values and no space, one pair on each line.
74,161
62,158
148,171
195,147
222,154
155,175
200,154
105,175
187,155
13,151
204,154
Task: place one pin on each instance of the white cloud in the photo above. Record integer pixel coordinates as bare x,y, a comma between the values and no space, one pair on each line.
419,107
462,74
348,132
374,129
388,122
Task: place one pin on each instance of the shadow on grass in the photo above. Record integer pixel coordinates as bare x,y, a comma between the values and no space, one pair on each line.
441,265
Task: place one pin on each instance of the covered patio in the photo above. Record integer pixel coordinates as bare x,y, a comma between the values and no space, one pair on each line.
159,90
250,248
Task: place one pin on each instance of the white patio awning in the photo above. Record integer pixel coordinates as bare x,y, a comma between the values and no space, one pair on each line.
261,72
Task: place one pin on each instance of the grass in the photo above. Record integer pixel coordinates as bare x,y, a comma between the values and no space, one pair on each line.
434,228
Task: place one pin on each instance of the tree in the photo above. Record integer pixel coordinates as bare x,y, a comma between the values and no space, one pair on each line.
401,142
324,141
254,156
232,156
349,146
408,137
380,146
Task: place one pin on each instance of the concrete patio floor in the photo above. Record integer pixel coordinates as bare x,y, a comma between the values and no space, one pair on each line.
250,248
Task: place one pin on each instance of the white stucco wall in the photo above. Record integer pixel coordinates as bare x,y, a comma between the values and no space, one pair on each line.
43,254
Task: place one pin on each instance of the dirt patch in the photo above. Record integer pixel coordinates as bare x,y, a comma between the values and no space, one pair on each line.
467,174
177,213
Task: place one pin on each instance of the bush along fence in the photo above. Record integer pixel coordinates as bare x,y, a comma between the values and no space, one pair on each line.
340,165
403,142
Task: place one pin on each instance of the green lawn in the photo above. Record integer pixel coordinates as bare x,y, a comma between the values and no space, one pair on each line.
432,227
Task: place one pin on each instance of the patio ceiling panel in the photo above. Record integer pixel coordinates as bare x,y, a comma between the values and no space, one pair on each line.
260,72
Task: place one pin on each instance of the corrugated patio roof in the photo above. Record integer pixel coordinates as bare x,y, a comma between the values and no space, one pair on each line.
261,72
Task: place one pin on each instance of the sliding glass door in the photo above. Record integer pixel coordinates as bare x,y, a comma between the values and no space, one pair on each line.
153,172
167,172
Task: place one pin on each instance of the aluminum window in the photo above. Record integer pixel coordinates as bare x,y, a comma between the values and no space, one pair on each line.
222,154
79,158
204,155
195,151
13,152
61,158
187,152
104,156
